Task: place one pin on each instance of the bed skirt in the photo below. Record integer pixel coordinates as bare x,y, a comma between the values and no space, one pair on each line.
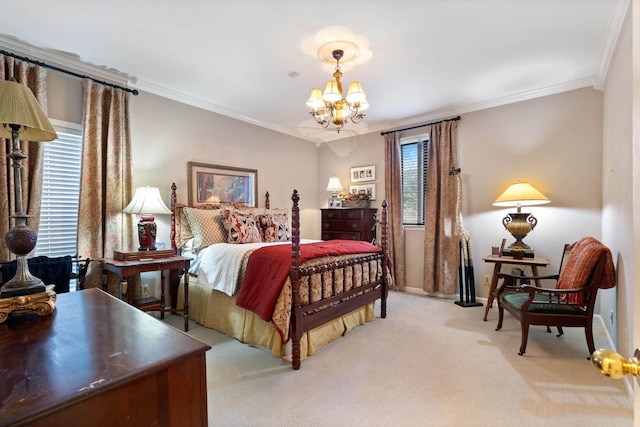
216,310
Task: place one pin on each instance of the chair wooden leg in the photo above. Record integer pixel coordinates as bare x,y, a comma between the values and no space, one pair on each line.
588,332
525,336
500,317
560,331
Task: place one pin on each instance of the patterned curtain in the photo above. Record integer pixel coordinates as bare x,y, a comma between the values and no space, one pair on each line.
393,192
35,77
441,241
106,179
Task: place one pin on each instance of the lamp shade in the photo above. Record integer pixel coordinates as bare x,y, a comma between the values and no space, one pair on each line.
521,194
18,106
334,184
146,200
332,92
363,105
315,99
355,94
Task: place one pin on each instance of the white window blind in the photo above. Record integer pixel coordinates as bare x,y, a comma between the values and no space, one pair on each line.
60,193
414,159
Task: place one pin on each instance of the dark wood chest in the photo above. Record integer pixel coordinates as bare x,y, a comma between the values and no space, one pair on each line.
98,361
348,224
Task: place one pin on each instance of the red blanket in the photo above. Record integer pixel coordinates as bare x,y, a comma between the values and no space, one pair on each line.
268,268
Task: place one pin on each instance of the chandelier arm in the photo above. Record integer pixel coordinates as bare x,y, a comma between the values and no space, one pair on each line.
357,118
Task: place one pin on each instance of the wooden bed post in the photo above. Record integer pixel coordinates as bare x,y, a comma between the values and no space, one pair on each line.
267,203
296,310
384,230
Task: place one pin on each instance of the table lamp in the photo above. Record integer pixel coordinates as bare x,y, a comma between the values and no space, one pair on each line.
334,186
146,202
21,116
519,224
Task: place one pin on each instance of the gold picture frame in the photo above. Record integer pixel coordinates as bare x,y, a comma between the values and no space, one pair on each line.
218,184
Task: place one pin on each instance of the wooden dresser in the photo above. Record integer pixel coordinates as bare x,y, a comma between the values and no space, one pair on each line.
348,224
99,361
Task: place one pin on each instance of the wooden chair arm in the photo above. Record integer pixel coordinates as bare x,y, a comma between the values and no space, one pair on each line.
509,280
552,277
553,296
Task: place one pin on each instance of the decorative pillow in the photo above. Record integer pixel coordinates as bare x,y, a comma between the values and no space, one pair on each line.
241,227
275,227
183,231
206,225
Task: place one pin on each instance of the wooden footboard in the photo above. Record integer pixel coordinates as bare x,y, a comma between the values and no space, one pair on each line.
306,317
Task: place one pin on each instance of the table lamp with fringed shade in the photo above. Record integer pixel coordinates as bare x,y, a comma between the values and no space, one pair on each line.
21,117
146,202
519,224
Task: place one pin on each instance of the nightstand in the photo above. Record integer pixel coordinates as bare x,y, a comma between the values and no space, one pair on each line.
126,269
349,224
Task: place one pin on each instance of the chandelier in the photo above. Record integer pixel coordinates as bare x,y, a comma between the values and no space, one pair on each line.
331,107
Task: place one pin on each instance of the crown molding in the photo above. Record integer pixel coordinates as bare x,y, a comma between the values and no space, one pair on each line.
616,21
208,106
64,60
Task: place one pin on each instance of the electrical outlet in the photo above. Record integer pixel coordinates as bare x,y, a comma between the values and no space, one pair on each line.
487,281
145,291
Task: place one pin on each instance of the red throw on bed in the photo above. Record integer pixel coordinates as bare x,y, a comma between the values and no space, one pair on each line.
268,268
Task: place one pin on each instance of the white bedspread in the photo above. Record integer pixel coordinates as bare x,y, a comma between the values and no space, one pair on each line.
219,265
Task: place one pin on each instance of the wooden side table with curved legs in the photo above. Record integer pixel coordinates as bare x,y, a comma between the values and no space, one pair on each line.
126,269
533,263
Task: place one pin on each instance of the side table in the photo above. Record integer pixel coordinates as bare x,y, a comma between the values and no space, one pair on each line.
533,263
126,269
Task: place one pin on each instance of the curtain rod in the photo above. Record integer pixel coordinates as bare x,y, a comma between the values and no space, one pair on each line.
42,64
420,126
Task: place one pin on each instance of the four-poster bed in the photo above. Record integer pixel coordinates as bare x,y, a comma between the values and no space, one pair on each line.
328,287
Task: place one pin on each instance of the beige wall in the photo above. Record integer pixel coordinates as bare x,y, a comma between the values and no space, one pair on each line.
167,134
618,190
554,142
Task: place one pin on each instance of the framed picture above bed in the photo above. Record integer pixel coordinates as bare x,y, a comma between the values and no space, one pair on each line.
221,184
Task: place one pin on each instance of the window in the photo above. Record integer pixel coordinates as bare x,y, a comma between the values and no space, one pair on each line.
414,160
60,193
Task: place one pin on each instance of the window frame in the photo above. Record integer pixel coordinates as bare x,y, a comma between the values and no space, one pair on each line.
422,144
47,233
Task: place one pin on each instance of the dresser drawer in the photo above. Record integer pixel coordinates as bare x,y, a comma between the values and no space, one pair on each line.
342,225
342,235
342,214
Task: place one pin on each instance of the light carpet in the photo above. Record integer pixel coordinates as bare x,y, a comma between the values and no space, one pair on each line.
429,363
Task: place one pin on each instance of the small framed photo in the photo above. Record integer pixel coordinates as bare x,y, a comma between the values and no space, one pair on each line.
369,189
363,173
335,203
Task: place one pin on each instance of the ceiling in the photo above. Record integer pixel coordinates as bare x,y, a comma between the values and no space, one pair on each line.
429,59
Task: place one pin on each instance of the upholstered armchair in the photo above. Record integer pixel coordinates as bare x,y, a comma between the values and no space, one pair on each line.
587,266
57,271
